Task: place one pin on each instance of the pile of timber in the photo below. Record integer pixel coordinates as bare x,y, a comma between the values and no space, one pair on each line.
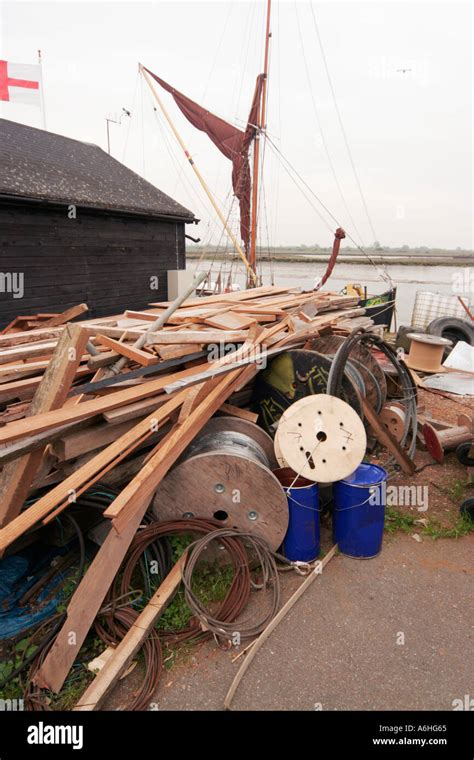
117,401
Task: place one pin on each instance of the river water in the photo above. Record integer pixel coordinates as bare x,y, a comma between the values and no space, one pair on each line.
409,279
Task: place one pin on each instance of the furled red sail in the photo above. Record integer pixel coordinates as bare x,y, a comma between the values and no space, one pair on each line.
231,141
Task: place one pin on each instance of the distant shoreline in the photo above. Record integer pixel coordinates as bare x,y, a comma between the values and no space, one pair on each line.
430,259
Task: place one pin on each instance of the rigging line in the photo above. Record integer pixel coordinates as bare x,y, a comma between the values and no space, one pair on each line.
320,127
132,111
384,274
340,121
249,30
143,127
262,201
213,66
174,162
289,168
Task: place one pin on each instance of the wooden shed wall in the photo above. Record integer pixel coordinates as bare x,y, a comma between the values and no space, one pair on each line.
105,260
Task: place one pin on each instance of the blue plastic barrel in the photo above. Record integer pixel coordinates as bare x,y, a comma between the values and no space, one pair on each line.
302,539
359,512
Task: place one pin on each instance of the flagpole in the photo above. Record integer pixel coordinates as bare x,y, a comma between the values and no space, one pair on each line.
43,110
219,213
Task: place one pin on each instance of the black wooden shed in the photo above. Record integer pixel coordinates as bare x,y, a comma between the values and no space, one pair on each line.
77,226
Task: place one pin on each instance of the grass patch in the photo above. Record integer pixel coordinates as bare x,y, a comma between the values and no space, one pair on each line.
399,521
211,582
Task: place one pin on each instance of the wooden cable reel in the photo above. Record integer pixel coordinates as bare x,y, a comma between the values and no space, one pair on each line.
393,417
426,352
321,438
226,475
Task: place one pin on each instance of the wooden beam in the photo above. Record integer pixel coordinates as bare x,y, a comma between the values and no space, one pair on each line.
85,604
257,643
47,420
106,679
41,348
136,497
87,475
385,437
126,349
67,315
17,476
197,336
26,388
236,411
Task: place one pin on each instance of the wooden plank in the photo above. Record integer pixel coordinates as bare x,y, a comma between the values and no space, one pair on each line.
47,420
132,411
85,604
172,447
385,437
108,676
67,315
197,336
92,438
87,475
236,411
26,388
29,336
16,477
177,350
41,348
90,593
124,349
21,368
229,321
9,452
239,295
257,643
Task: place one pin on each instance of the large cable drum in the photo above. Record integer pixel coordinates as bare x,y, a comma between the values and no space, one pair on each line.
226,475
360,357
294,375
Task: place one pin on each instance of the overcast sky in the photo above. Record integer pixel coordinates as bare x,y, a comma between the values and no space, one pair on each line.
410,133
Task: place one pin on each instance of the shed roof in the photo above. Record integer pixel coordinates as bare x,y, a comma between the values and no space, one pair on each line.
40,165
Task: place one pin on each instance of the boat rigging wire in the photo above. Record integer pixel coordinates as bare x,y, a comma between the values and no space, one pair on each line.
320,127
383,274
344,134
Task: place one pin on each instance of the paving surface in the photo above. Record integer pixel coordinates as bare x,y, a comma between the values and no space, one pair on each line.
340,648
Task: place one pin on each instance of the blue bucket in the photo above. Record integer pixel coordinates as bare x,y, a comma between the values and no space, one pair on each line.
359,512
302,539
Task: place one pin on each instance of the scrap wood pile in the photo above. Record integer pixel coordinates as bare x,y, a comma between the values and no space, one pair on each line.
111,404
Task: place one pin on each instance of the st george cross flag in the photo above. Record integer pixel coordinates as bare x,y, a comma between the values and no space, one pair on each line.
20,83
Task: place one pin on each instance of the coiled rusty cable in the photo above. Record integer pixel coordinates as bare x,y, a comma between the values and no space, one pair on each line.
229,628
236,598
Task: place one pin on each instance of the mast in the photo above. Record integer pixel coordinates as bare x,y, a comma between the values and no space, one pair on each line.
256,153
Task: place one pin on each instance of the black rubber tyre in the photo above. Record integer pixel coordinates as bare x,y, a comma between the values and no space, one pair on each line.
467,508
452,328
462,453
